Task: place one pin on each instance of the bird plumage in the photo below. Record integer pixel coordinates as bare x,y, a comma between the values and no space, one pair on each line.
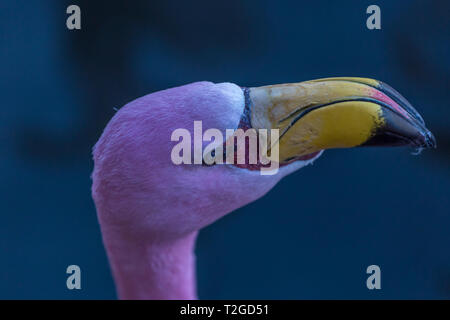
150,209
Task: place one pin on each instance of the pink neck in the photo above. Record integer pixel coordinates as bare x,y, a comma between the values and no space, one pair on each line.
149,270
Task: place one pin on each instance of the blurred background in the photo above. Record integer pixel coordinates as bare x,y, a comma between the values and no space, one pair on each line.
383,206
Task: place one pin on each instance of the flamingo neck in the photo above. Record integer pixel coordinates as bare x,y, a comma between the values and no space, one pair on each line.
153,270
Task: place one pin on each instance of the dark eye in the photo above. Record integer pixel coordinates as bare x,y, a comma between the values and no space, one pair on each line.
213,154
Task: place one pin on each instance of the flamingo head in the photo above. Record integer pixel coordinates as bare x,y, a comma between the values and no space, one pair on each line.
140,192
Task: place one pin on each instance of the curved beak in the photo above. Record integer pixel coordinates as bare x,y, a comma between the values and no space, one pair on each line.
336,113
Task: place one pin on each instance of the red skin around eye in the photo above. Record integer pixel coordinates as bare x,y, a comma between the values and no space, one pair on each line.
259,165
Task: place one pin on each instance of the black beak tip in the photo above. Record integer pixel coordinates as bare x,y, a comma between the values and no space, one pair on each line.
430,140
425,140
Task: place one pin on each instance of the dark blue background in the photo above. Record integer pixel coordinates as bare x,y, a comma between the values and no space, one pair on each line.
314,235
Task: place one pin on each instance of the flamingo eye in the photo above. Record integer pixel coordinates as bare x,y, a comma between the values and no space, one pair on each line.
212,154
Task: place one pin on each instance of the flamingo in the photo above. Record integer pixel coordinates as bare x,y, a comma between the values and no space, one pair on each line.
151,210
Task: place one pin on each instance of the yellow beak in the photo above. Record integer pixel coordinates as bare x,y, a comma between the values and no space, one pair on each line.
335,113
